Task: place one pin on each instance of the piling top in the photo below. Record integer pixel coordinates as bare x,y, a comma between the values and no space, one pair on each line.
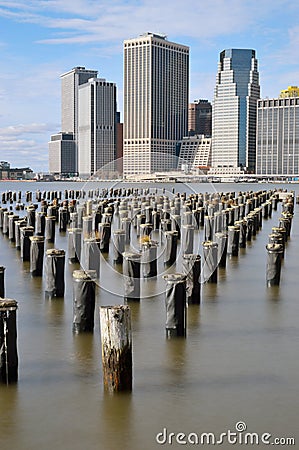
120,231
175,277
132,256
27,228
8,304
191,257
37,238
210,244
171,233
274,248
149,243
278,229
55,252
74,230
2,269
87,275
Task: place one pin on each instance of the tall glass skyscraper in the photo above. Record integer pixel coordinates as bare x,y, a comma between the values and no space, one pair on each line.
156,85
234,111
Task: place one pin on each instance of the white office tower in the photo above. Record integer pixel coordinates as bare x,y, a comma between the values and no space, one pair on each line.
234,112
156,85
70,82
97,127
278,136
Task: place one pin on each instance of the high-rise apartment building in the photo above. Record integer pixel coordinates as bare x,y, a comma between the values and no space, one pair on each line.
156,85
97,118
234,111
278,136
200,118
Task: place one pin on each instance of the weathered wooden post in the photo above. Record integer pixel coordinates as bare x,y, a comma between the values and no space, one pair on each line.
116,337
90,259
63,218
242,224
221,240
2,283
54,271
175,302
74,244
208,228
8,341
11,227
274,256
87,230
119,239
131,271
125,224
26,232
210,266
84,288
149,258
36,255
170,247
187,238
277,238
40,224
192,270
233,240
50,228
104,236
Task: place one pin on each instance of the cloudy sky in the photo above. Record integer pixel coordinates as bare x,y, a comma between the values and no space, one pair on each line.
41,39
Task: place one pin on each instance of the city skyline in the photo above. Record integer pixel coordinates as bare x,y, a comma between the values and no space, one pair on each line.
42,40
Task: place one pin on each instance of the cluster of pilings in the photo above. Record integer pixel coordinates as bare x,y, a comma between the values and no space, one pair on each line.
277,242
139,227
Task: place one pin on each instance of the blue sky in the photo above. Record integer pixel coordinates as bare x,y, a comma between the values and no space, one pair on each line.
41,39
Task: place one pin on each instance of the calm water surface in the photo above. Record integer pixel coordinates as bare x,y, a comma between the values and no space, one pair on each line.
239,362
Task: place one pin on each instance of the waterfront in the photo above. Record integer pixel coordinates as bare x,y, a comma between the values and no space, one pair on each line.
238,362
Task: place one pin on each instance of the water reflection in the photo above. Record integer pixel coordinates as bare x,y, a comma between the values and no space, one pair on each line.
116,420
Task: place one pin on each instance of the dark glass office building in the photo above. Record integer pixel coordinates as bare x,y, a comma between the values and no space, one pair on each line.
234,111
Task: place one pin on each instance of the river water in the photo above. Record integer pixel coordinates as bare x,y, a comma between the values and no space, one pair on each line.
239,361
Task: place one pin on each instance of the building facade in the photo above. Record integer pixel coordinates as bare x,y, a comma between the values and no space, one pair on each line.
278,136
62,154
200,118
156,85
234,111
97,119
195,152
70,82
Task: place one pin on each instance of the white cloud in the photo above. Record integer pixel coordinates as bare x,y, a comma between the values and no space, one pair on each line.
98,21
17,130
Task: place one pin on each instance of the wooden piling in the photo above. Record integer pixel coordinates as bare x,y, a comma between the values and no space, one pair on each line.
116,337
8,341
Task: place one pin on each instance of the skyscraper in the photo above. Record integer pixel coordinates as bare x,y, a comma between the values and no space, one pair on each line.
234,110
70,82
156,84
200,118
97,118
62,154
278,136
